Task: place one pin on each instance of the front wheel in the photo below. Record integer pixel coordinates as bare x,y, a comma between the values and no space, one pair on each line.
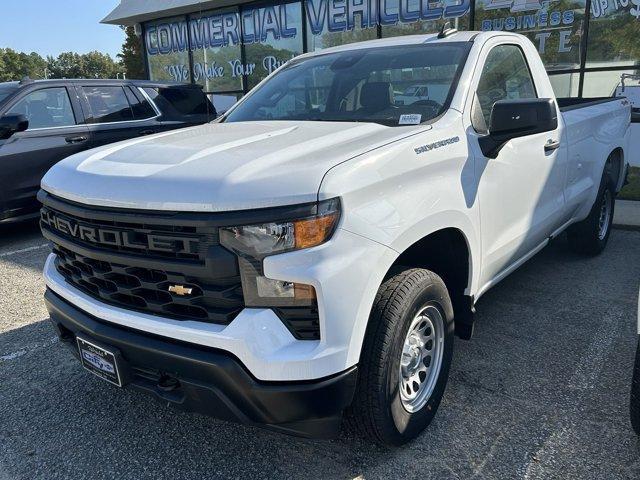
590,236
405,358
635,393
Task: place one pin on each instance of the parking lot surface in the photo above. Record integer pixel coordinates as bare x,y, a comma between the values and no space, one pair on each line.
541,391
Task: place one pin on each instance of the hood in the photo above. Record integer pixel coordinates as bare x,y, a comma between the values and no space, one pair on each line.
217,166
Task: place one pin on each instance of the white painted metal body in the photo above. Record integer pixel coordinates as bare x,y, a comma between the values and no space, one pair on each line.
507,208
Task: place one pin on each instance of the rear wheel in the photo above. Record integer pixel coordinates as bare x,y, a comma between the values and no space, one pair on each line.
405,359
591,235
635,393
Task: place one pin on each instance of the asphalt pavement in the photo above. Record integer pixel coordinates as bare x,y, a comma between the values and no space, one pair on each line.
541,392
627,214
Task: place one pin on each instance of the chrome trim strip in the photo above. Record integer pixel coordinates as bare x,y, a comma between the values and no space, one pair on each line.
153,104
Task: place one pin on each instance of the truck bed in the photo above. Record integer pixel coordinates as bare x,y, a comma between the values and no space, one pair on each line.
588,123
572,103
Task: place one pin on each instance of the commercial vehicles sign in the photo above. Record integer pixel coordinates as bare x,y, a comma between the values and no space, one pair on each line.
279,29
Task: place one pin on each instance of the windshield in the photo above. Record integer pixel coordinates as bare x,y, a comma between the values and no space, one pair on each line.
360,86
6,91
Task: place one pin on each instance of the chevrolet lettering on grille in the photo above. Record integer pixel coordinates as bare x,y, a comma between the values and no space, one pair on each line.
112,237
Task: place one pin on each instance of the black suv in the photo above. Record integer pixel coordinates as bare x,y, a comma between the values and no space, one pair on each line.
44,121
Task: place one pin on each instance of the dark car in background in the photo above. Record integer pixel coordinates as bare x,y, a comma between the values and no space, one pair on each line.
44,121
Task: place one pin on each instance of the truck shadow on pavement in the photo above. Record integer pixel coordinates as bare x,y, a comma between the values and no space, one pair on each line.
540,392
22,245
17,232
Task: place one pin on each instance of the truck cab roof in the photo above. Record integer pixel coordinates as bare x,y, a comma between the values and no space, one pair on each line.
431,38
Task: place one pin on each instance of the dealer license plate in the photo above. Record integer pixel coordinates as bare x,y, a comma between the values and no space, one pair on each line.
99,361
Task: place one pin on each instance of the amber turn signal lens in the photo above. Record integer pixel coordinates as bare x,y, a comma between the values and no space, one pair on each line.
314,231
304,292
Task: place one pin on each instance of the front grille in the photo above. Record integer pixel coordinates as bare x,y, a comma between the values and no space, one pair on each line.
131,258
147,290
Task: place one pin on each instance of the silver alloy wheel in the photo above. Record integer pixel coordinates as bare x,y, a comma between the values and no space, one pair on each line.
421,358
605,214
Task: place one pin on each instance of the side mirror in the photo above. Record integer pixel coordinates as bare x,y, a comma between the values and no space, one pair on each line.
518,118
10,124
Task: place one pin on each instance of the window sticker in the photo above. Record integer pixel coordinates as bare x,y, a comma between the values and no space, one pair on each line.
410,119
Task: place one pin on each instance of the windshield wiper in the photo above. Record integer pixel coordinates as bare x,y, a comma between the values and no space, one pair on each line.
324,119
386,122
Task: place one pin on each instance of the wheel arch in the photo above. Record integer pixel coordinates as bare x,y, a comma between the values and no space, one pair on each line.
615,167
447,252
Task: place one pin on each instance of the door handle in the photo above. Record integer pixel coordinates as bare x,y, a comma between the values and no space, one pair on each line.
147,132
551,145
75,139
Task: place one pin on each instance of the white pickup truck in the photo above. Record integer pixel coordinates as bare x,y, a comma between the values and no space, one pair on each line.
312,254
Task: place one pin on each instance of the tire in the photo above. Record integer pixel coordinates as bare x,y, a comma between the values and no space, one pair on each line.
590,236
381,411
635,393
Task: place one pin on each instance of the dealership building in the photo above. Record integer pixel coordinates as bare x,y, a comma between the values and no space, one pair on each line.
228,46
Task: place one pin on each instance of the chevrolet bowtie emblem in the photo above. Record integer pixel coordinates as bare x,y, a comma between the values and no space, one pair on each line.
180,290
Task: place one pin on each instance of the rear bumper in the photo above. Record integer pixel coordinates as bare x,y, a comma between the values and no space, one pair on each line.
211,382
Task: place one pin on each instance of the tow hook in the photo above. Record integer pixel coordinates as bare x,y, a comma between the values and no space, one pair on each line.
167,383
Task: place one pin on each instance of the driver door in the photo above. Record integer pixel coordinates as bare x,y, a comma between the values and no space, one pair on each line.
520,192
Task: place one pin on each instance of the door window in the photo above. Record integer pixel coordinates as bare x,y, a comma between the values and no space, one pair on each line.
46,108
108,104
177,101
140,106
505,76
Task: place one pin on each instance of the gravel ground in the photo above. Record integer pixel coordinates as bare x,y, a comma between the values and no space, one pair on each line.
540,392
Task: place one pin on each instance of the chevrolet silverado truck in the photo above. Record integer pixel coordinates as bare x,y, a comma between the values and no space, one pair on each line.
308,258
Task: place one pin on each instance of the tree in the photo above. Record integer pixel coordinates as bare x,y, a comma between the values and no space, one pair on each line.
99,65
17,65
66,65
89,65
131,57
36,65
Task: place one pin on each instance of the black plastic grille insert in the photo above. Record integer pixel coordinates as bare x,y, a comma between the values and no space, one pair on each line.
147,290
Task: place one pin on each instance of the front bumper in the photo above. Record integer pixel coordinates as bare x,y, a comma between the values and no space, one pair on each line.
210,381
345,272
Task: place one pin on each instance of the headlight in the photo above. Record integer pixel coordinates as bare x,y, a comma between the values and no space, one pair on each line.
252,243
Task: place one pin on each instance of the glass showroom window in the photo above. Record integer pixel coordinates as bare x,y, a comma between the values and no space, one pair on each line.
337,22
167,45
413,17
606,84
614,33
554,27
272,35
217,55
565,84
